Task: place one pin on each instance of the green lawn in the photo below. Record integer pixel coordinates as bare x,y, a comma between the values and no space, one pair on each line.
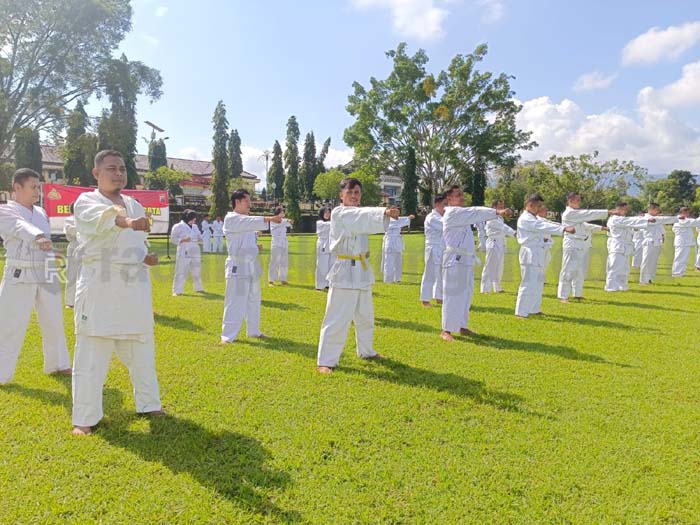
589,414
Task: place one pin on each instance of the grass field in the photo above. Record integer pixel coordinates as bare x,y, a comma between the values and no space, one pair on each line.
589,414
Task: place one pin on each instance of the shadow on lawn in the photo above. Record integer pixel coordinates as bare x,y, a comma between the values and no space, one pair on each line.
232,464
282,306
178,323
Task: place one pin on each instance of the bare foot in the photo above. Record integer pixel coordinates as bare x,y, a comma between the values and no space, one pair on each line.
467,332
426,304
439,301
374,357
259,336
564,301
270,283
153,413
64,372
446,336
71,306
285,283
81,431
521,317
579,298
325,370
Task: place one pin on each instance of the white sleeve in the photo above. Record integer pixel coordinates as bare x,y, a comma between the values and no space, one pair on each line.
358,221
244,223
583,215
95,217
13,225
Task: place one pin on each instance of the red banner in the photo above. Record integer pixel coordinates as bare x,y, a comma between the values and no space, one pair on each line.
57,199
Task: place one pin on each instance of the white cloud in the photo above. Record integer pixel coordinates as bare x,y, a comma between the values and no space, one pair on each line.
161,11
684,92
593,80
337,156
654,138
420,19
493,10
192,153
658,44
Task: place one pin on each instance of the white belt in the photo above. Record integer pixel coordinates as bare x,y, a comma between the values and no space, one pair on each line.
458,251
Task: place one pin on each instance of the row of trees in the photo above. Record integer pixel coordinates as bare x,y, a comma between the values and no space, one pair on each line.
227,160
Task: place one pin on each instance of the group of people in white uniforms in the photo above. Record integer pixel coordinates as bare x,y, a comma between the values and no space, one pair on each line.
684,239
188,258
278,268
392,249
212,235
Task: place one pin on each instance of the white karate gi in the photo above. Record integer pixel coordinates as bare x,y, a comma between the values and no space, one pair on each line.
431,282
351,278
206,236
72,259
683,241
572,273
458,263
533,257
392,250
638,242
217,228
113,307
188,258
243,271
591,228
279,252
653,243
620,249
323,253
496,232
482,235
697,250
30,280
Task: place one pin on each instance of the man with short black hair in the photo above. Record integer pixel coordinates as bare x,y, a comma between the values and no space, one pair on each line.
653,243
29,280
431,282
279,249
188,259
496,232
621,247
683,241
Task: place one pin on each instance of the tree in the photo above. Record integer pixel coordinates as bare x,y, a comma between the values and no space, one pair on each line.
124,82
157,155
409,192
7,171
28,150
52,53
235,157
292,191
276,174
263,194
73,150
320,167
371,191
308,172
327,185
458,121
219,156
165,178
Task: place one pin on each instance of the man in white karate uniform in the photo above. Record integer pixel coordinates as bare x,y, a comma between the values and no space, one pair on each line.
621,247
392,249
323,248
482,236
590,230
697,252
30,280
243,270
638,241
571,277
206,235
458,260
653,243
72,258
351,277
431,282
113,302
217,228
188,259
279,249
496,232
683,241
533,257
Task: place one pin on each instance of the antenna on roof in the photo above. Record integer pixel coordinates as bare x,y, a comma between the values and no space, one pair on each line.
154,128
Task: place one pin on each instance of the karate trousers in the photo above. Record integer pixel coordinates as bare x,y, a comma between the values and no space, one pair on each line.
530,291
206,243
72,270
90,366
650,262
392,266
697,257
183,267
431,282
586,262
571,275
16,303
458,288
279,264
323,266
680,260
637,256
492,273
345,305
218,244
241,303
617,272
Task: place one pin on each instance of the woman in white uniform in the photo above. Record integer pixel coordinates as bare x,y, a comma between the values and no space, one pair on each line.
188,259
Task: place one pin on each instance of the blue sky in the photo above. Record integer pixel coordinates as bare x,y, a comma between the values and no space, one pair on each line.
619,76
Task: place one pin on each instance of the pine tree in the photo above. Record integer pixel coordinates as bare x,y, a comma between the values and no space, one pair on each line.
308,172
291,165
263,195
28,150
74,168
276,174
157,155
219,156
320,167
409,192
235,158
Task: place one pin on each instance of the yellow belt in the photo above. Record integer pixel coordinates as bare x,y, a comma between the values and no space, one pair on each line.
362,258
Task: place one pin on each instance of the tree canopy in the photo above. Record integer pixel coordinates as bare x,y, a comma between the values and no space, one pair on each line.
165,178
219,156
292,190
28,150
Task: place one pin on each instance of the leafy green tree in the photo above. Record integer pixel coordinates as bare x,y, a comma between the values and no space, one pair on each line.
459,121
28,150
320,167
676,190
157,155
308,172
165,178
292,191
7,171
263,194
73,150
327,185
54,52
276,173
371,191
219,156
409,192
235,157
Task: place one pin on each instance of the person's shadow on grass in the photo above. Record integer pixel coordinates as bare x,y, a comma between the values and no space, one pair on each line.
232,464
